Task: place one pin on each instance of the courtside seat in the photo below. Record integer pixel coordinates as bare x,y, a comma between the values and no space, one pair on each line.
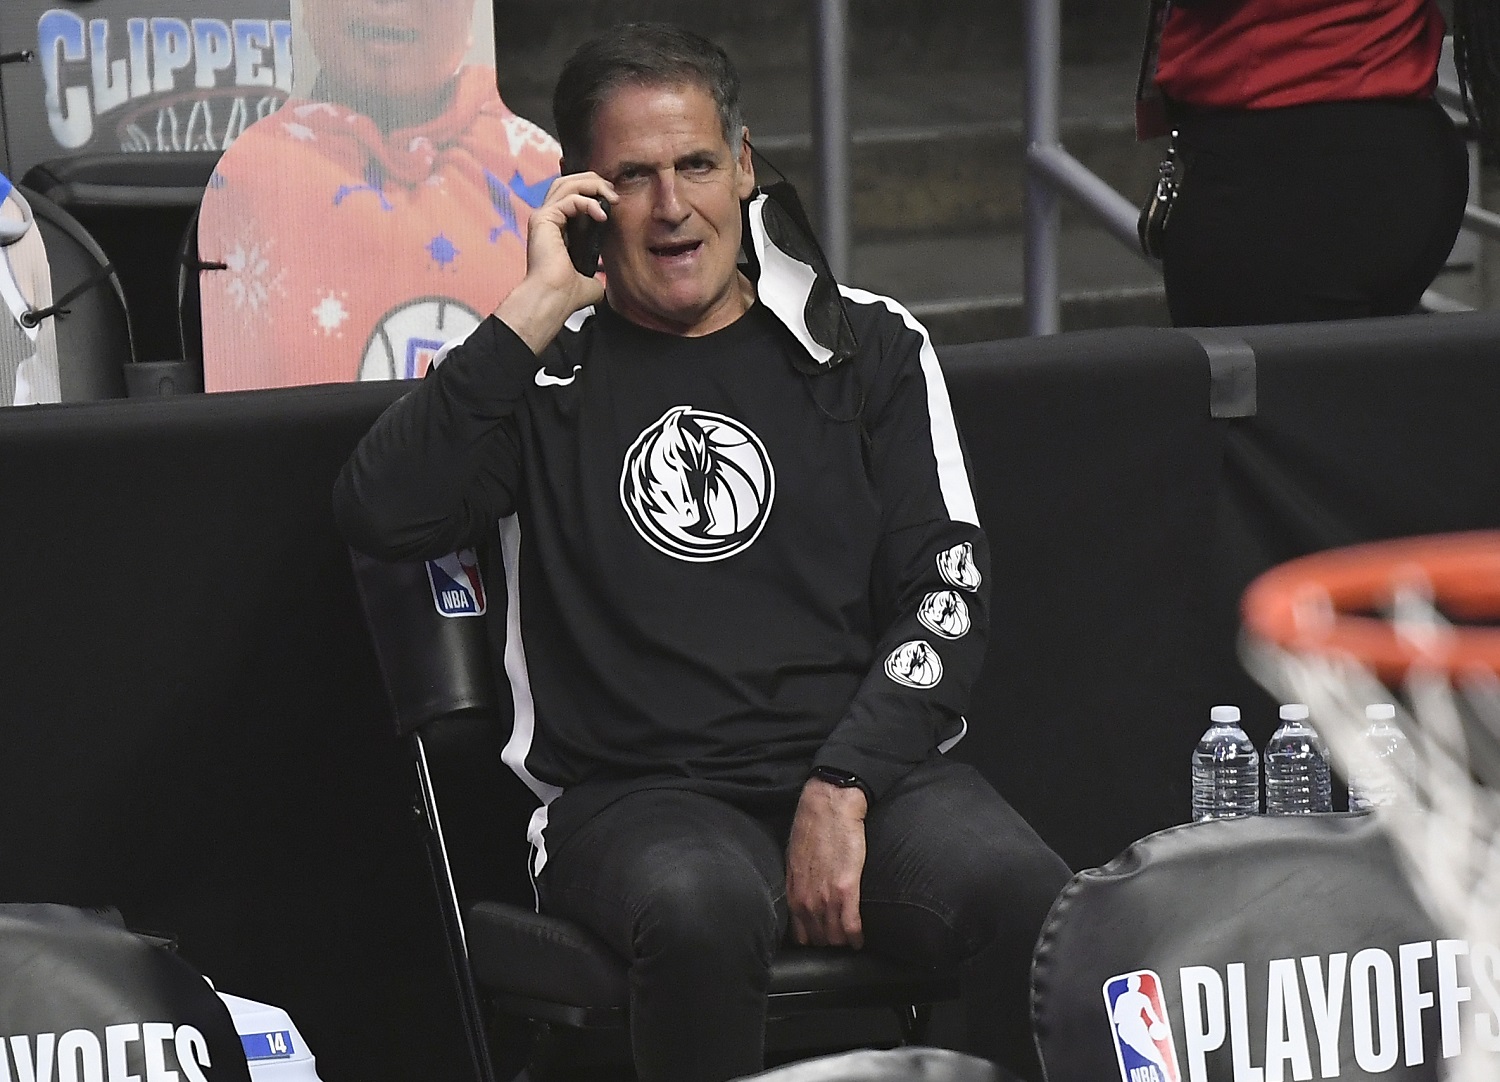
502,953
92,324
136,206
550,969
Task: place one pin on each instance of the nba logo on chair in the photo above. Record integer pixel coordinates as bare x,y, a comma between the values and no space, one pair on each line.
457,588
1141,1029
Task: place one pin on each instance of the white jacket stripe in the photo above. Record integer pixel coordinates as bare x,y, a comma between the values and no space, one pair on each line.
953,478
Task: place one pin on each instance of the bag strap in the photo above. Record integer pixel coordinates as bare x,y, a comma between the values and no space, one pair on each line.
1150,106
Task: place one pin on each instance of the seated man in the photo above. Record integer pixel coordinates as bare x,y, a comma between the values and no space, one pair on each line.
747,590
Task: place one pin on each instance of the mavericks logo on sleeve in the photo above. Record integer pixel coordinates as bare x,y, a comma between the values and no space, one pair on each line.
956,565
698,485
915,664
944,613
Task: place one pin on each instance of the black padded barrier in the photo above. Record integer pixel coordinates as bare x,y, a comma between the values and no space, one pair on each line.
192,725
1095,462
1365,430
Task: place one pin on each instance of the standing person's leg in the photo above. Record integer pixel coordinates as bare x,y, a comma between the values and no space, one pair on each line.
1427,168
953,873
1260,230
1336,210
690,890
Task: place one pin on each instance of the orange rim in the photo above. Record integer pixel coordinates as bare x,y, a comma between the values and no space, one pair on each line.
1463,572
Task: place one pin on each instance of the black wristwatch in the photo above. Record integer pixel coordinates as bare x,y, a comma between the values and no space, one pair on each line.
844,779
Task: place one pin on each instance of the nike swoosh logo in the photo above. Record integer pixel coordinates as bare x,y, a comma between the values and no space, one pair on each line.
547,379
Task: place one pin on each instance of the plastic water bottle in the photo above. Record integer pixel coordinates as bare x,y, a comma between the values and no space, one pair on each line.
1297,779
1226,769
1389,744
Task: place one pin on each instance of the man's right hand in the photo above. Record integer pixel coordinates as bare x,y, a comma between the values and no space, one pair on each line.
553,289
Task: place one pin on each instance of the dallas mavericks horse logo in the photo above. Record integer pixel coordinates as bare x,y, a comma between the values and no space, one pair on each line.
915,665
944,613
957,567
698,485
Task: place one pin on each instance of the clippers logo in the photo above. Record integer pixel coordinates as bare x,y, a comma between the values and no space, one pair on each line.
956,565
915,665
407,338
457,589
697,485
944,613
1143,1035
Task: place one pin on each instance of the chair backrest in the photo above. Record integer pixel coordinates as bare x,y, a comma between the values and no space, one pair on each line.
136,206
431,626
1285,945
426,620
93,328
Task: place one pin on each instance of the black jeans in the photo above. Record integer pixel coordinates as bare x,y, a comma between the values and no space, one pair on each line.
691,890
1337,210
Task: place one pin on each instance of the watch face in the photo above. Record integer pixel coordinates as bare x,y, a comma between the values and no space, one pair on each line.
842,778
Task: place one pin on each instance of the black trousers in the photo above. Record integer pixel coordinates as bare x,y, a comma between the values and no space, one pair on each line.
1328,211
691,890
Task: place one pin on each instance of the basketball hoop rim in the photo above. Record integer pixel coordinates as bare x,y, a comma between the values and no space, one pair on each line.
1463,570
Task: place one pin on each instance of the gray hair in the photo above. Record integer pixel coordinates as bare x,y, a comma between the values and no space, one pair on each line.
640,54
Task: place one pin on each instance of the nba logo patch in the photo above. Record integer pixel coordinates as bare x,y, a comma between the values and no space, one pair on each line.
457,589
1142,1031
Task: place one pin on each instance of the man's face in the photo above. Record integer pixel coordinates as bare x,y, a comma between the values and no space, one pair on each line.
674,236
394,48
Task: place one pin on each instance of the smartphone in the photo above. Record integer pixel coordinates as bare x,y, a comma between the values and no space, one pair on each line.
584,235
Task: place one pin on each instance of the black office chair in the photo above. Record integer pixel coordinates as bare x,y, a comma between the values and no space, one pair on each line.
90,317
528,965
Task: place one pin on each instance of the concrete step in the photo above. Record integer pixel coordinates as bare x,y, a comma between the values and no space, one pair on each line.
535,36
935,101
936,152
969,289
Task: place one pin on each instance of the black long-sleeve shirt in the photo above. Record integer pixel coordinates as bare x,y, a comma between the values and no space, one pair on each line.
720,570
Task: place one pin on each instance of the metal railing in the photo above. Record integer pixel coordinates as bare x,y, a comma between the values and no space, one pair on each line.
830,108
1051,172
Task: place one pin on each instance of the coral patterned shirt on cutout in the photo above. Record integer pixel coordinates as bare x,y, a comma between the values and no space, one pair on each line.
355,254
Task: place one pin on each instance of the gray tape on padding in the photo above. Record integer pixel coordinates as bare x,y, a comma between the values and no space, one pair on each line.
1231,372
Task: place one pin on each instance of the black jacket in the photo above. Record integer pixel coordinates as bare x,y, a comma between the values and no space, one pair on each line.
720,570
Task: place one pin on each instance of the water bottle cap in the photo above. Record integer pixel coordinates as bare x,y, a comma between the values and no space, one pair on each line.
1380,712
1225,713
1294,712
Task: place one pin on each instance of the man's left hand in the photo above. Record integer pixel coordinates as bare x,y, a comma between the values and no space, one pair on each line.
824,861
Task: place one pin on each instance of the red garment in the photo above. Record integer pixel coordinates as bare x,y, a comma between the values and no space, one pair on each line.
356,254
1265,54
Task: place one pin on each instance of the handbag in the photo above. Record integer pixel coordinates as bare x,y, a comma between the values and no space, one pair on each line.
1150,123
1151,226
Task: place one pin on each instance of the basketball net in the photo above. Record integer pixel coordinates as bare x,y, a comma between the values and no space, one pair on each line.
1341,630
